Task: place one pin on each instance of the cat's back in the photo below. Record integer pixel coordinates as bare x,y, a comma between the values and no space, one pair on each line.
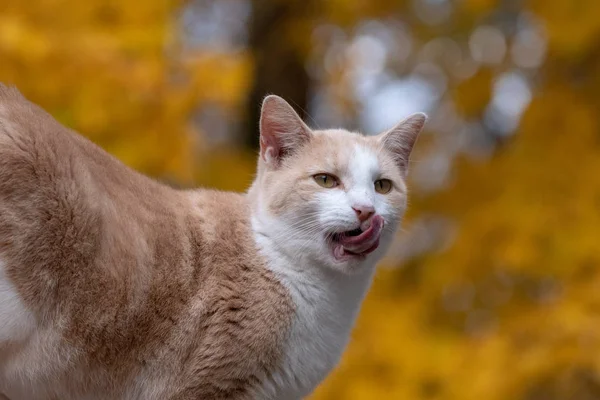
61,198
38,153
76,249
124,288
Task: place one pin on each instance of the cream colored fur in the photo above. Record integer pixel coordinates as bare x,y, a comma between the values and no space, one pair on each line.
113,286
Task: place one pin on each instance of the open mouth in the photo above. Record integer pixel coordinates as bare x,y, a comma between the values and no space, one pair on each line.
358,242
354,232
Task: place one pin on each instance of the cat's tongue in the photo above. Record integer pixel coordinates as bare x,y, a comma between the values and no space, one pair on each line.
362,244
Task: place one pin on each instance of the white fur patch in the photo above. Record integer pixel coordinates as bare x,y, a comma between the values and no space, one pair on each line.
363,171
326,304
16,321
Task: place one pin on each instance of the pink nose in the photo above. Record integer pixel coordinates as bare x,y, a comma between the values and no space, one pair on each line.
363,212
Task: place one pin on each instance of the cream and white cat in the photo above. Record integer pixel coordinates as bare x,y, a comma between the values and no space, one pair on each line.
113,286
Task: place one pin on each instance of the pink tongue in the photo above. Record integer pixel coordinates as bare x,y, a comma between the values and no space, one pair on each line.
365,240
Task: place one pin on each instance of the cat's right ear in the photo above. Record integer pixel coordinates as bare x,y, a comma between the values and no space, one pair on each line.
282,131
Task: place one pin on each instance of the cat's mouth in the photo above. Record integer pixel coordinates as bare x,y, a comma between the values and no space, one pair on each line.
358,242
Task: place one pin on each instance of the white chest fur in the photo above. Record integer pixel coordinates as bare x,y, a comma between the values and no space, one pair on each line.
326,304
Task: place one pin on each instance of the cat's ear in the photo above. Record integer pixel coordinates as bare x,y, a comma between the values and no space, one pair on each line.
401,139
282,131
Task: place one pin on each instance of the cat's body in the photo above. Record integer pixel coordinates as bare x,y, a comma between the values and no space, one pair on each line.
113,286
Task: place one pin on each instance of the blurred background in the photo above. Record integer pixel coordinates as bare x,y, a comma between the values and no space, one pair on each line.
491,290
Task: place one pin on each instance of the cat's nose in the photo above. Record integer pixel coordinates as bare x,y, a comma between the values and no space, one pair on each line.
363,212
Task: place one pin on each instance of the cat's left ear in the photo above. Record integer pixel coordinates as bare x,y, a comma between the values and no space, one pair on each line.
401,139
282,131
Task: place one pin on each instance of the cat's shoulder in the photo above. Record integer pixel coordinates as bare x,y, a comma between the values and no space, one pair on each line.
18,114
9,92
30,138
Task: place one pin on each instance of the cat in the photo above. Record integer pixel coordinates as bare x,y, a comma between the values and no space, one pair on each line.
114,286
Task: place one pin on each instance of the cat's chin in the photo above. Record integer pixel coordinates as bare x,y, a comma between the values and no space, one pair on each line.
355,245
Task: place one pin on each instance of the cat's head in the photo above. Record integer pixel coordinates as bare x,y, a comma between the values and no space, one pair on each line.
332,197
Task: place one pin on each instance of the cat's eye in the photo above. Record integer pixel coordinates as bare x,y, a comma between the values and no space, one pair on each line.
383,186
325,180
